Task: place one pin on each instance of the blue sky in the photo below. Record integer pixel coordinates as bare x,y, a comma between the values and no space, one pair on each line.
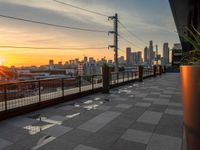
148,19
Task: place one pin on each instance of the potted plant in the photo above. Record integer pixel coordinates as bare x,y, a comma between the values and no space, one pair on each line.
190,78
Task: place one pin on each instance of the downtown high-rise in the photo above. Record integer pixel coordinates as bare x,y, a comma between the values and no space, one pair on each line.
146,54
166,53
128,56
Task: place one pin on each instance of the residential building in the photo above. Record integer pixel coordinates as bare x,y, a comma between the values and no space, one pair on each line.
176,55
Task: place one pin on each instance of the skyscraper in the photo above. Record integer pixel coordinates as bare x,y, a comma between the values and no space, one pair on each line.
136,58
128,56
139,57
166,52
51,62
150,54
133,58
176,55
145,54
156,55
121,60
85,59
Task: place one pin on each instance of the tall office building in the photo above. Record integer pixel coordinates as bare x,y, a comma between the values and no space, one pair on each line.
139,57
151,50
176,54
60,63
157,56
145,54
128,56
136,58
166,52
121,60
133,58
51,62
91,59
150,54
156,51
85,59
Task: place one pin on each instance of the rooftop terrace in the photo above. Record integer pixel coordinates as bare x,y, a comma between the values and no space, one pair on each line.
141,116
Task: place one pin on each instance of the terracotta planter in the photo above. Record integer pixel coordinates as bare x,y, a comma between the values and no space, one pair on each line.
190,78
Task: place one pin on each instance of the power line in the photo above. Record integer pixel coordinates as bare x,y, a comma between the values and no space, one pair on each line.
131,33
53,25
30,47
77,7
129,42
121,50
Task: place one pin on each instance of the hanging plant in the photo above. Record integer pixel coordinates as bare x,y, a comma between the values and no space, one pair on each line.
192,57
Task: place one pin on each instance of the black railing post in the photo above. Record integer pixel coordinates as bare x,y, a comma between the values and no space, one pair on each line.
79,83
128,76
154,70
63,87
106,78
92,82
123,76
5,97
141,71
164,69
132,75
160,70
39,85
117,77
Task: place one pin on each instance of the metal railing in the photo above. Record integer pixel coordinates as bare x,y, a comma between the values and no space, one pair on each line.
121,77
147,72
16,95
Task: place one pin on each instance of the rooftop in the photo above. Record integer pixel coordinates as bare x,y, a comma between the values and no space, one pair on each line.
140,116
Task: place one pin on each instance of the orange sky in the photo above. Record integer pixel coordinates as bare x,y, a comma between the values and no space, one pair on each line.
27,57
149,25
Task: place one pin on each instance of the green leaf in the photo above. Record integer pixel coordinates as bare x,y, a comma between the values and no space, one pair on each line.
194,35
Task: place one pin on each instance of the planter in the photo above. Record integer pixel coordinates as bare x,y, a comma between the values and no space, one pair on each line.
190,78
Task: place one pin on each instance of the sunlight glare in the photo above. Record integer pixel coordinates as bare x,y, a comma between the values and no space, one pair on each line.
1,60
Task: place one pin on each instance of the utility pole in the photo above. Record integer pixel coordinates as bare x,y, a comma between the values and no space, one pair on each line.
156,54
115,46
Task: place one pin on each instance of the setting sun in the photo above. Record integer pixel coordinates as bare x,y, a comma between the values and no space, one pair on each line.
1,61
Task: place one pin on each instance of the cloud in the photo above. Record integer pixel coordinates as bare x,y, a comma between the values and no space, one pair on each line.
150,20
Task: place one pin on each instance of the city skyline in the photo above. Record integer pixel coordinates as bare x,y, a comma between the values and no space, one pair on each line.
141,20
125,55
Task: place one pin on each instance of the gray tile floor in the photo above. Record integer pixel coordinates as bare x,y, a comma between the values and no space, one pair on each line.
139,116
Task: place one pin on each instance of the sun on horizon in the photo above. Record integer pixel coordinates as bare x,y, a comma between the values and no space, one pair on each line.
1,61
